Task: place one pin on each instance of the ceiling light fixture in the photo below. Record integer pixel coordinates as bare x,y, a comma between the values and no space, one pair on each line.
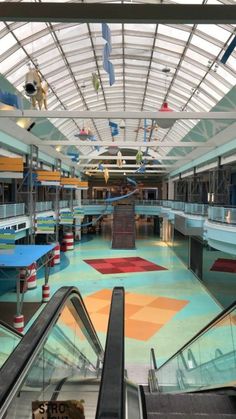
165,123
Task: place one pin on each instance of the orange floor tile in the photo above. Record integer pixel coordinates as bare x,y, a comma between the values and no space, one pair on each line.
144,314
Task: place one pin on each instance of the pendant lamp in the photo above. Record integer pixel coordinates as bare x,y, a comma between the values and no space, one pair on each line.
165,123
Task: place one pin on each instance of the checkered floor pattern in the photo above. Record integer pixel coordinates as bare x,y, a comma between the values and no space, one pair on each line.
144,314
224,265
123,265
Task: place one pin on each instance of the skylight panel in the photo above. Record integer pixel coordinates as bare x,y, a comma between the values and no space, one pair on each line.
6,42
205,45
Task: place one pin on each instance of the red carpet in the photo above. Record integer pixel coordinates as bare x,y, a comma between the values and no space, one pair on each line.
123,265
224,265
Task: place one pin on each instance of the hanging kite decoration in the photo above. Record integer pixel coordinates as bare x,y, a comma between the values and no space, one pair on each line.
35,89
114,128
11,99
106,174
119,161
139,157
73,153
107,65
96,82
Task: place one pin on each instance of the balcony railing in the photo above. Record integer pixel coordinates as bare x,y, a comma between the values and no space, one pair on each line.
11,210
43,206
64,204
93,202
222,215
196,209
177,205
152,202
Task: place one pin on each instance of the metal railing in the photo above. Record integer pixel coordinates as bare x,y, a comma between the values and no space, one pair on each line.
43,206
64,204
152,202
195,209
93,202
11,210
222,215
178,205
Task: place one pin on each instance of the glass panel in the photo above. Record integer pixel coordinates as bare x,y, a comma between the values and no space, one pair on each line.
207,362
9,341
65,368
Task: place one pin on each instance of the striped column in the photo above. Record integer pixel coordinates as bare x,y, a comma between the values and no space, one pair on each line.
45,293
57,257
69,240
31,273
19,322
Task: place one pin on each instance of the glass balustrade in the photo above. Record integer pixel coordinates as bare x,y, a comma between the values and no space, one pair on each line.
43,206
11,210
222,215
206,362
9,340
64,204
178,206
195,209
65,368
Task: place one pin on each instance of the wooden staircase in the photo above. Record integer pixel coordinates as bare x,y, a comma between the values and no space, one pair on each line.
123,232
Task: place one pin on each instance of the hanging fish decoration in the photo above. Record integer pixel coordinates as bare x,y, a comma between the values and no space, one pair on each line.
106,174
96,82
139,157
119,161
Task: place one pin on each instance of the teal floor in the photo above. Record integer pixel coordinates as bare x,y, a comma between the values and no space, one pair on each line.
176,282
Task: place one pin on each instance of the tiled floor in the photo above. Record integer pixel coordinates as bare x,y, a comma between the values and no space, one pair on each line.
123,265
144,314
164,308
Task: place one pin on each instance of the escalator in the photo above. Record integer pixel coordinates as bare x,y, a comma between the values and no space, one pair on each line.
198,381
61,359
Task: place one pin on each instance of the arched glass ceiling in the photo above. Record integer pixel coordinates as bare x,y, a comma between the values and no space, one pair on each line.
68,54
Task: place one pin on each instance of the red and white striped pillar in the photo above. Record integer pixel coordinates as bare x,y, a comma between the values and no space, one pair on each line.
30,274
57,257
69,240
45,293
19,322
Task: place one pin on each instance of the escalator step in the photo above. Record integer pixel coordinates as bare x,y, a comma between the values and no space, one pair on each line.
191,403
189,416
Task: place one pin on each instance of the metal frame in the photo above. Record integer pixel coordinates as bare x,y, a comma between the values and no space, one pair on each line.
118,13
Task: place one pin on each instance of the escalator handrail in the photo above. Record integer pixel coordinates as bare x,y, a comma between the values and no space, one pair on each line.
111,402
202,331
18,364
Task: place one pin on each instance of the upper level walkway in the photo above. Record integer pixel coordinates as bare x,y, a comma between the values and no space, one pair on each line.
216,224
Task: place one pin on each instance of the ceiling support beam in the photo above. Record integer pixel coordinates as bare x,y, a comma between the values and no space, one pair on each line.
125,171
109,157
116,114
126,144
102,157
127,166
117,13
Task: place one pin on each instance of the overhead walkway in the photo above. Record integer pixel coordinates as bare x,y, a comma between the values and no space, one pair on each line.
60,358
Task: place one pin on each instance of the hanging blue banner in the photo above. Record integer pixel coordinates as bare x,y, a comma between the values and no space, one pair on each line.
11,99
107,65
114,128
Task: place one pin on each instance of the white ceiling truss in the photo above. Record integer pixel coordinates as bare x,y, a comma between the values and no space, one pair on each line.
67,53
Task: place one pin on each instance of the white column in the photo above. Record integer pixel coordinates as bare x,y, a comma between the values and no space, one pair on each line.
171,190
78,219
